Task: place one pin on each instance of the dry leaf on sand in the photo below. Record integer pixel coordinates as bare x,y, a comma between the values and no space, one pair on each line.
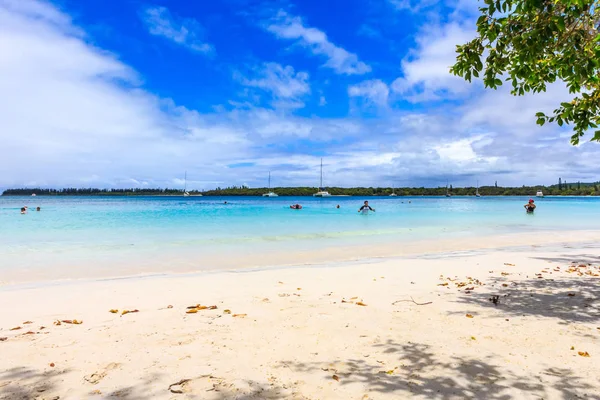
239,315
583,353
360,303
335,378
114,311
469,316
16,328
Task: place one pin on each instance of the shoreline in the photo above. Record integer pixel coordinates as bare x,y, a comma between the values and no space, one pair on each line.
340,256
307,196
334,255
413,327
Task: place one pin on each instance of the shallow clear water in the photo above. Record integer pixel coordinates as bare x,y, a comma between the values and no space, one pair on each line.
81,232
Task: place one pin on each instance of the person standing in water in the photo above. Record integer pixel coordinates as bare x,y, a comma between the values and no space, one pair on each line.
366,207
530,207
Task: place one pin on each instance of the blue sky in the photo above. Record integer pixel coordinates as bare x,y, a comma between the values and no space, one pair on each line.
121,93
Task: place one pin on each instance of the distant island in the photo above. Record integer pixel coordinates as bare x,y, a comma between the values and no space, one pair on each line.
562,189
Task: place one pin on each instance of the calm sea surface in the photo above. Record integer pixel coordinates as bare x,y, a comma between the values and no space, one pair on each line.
82,233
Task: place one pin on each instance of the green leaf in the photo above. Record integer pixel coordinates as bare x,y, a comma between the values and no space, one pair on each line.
535,42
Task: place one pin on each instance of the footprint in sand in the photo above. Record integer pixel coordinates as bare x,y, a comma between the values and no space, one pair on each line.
99,375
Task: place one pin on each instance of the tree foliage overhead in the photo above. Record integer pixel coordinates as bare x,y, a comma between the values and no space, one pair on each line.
531,43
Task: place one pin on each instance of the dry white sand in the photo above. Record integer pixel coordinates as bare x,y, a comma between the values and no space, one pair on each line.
303,335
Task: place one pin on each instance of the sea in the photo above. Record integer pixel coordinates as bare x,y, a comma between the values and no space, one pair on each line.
79,237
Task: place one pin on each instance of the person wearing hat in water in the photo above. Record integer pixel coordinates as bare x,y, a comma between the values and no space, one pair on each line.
530,207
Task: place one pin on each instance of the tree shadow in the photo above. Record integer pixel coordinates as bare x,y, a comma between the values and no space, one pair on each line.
421,373
27,383
141,390
570,258
567,299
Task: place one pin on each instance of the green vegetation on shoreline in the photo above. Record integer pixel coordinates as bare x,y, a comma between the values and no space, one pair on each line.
572,189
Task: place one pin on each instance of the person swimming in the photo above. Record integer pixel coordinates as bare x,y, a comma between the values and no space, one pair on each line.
296,207
38,209
338,206
23,210
365,208
530,207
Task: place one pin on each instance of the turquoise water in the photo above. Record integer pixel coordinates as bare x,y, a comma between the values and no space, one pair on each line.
109,232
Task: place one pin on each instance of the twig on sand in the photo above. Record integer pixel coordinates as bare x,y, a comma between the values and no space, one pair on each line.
411,299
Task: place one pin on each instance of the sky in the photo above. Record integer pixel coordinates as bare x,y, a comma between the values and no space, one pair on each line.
129,93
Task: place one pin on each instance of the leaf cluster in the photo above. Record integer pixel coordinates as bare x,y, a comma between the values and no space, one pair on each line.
532,43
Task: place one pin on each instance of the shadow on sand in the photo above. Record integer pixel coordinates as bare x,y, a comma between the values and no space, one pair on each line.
567,299
27,383
570,258
420,373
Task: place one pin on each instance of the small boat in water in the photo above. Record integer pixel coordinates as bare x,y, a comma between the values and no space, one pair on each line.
477,190
270,193
185,192
539,194
322,192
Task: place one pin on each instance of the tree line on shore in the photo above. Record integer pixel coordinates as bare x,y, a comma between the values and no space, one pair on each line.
574,189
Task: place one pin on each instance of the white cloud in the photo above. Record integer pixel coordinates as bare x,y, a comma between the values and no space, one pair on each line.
322,101
288,27
412,5
286,86
373,91
426,72
66,119
64,116
186,32
368,31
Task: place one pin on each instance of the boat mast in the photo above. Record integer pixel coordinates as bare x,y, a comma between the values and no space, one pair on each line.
321,174
185,182
269,181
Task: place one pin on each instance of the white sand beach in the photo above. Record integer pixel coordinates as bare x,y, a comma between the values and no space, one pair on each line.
412,327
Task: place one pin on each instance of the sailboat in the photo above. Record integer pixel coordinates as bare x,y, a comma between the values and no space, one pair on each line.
477,190
447,191
185,192
270,194
393,193
322,192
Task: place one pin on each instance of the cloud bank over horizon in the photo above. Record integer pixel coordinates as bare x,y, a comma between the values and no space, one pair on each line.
134,97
